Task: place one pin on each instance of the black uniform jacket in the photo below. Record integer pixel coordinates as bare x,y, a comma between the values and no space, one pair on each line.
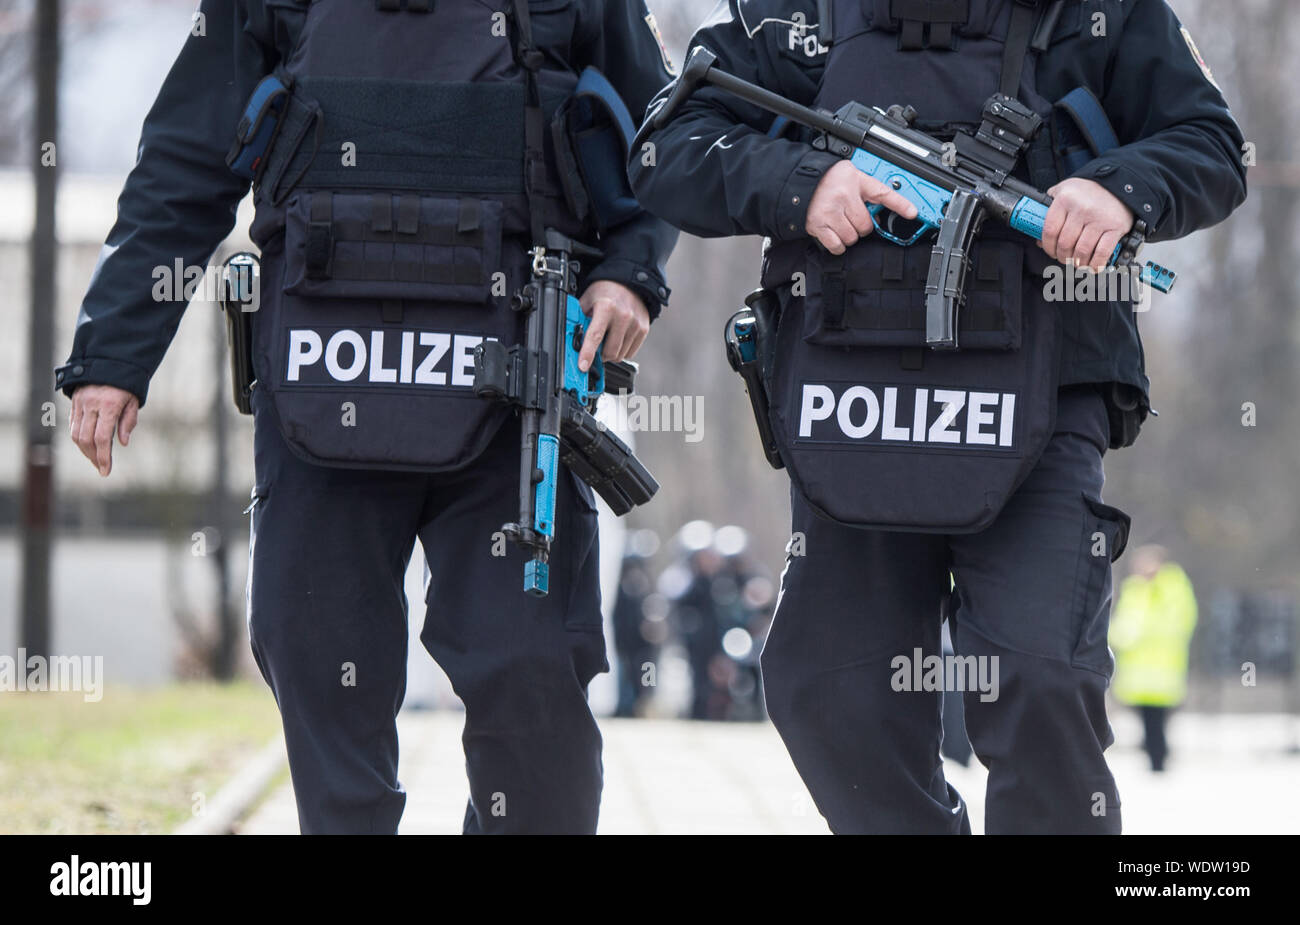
180,199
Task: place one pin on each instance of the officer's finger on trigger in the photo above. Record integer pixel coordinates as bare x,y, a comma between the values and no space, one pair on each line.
595,333
875,191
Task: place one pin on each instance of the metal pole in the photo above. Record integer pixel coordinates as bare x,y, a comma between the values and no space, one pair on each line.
38,475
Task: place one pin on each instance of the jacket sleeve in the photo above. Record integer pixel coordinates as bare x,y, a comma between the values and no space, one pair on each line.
715,170
628,52
1179,166
178,204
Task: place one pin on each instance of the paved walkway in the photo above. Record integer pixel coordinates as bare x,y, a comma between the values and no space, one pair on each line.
1229,774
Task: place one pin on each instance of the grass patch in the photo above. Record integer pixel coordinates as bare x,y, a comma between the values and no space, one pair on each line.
130,763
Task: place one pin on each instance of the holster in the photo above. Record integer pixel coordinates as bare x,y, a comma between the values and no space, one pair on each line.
239,300
750,338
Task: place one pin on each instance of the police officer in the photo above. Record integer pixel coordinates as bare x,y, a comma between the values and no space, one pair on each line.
416,157
1155,616
1000,488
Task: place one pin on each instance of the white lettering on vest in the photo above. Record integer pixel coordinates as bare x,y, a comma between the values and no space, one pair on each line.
374,356
408,356
888,429
977,417
353,339
953,401
818,403
300,357
845,412
440,343
851,414
379,372
462,363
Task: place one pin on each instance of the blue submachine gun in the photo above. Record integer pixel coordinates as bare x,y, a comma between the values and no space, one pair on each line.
954,185
556,399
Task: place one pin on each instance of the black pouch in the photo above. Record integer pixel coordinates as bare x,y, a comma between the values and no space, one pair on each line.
903,438
385,245
378,373
874,296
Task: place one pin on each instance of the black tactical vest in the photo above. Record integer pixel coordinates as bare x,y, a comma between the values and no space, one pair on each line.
394,212
875,429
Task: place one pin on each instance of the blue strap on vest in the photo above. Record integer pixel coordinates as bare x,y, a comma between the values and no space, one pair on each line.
257,127
1088,126
600,131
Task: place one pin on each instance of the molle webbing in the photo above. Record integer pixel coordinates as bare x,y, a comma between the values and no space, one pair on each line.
907,311
940,16
390,246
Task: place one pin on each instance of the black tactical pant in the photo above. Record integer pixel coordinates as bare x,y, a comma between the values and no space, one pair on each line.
1031,601
327,621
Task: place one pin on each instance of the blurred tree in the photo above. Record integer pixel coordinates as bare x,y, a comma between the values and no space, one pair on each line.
1215,474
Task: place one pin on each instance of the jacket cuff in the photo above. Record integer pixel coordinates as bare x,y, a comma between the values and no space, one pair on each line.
796,194
646,282
1129,186
80,371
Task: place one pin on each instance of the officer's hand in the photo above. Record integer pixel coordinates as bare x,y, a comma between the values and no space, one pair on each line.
98,412
618,318
1084,223
838,216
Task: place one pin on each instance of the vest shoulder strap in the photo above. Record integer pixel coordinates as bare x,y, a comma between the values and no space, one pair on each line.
530,59
1088,116
825,22
1020,33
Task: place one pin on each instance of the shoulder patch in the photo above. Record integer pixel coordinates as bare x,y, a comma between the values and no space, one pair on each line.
1196,53
659,40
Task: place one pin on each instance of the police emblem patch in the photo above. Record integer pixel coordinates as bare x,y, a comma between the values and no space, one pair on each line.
659,40
1196,53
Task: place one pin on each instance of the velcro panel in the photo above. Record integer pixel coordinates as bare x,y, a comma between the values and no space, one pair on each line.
409,135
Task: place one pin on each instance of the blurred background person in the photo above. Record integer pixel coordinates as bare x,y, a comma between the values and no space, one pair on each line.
1151,632
688,583
636,638
744,600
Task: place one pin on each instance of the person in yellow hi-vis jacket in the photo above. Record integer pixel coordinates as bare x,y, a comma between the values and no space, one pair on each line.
1150,633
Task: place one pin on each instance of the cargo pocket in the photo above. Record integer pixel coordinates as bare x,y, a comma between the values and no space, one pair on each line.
1105,534
874,296
392,246
583,611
